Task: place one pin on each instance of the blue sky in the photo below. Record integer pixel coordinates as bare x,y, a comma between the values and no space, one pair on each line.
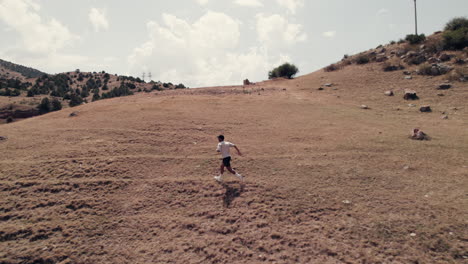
206,42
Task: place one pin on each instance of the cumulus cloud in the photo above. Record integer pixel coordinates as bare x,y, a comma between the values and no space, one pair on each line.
291,5
37,35
250,3
201,53
98,19
329,34
275,31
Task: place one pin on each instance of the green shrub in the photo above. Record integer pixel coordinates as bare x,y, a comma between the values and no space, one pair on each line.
415,39
56,105
456,39
96,96
286,70
332,67
44,107
457,23
75,100
362,59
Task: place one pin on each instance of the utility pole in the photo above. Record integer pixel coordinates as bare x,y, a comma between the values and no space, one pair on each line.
150,76
143,76
416,17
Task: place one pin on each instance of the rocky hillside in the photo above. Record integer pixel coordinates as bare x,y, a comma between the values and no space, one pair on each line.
22,97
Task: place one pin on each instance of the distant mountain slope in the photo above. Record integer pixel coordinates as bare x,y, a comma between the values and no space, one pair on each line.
27,72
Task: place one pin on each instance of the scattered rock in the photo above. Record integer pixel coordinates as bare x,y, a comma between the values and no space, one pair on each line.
445,117
320,89
440,94
74,114
3,138
444,86
389,93
328,85
334,88
445,57
411,105
410,95
408,77
438,69
413,234
407,73
417,134
433,60
381,58
425,109
407,167
364,107
454,108
346,201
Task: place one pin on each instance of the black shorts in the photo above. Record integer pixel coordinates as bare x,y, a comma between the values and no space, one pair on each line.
227,161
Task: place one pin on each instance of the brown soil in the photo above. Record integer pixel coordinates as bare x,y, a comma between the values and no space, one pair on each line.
130,180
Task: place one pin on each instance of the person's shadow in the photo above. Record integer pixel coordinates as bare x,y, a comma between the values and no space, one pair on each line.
233,190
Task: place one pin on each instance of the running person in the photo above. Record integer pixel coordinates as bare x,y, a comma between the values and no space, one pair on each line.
223,148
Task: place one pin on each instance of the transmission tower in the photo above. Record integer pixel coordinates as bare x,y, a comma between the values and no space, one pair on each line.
150,76
143,76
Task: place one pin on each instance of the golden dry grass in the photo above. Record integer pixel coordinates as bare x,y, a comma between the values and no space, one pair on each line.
130,180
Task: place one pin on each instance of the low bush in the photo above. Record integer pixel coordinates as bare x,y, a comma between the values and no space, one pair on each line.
332,67
457,23
287,70
456,39
362,59
44,107
75,100
415,39
392,66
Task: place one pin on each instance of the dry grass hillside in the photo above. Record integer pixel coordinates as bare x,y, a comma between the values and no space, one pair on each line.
130,180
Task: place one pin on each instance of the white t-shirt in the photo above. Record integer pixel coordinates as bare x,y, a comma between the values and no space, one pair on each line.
223,147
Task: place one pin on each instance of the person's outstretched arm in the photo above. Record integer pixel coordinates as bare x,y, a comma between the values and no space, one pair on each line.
238,151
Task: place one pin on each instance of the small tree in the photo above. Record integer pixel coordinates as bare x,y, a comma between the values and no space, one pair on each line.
56,105
456,34
75,100
286,70
44,106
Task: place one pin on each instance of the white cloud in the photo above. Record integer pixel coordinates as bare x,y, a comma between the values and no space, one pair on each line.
36,34
202,2
329,34
98,19
251,3
276,32
291,5
202,53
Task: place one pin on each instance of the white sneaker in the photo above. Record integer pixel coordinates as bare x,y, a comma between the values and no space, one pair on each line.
218,178
239,176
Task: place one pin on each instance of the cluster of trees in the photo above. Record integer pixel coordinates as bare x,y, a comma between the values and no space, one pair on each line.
12,86
48,105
